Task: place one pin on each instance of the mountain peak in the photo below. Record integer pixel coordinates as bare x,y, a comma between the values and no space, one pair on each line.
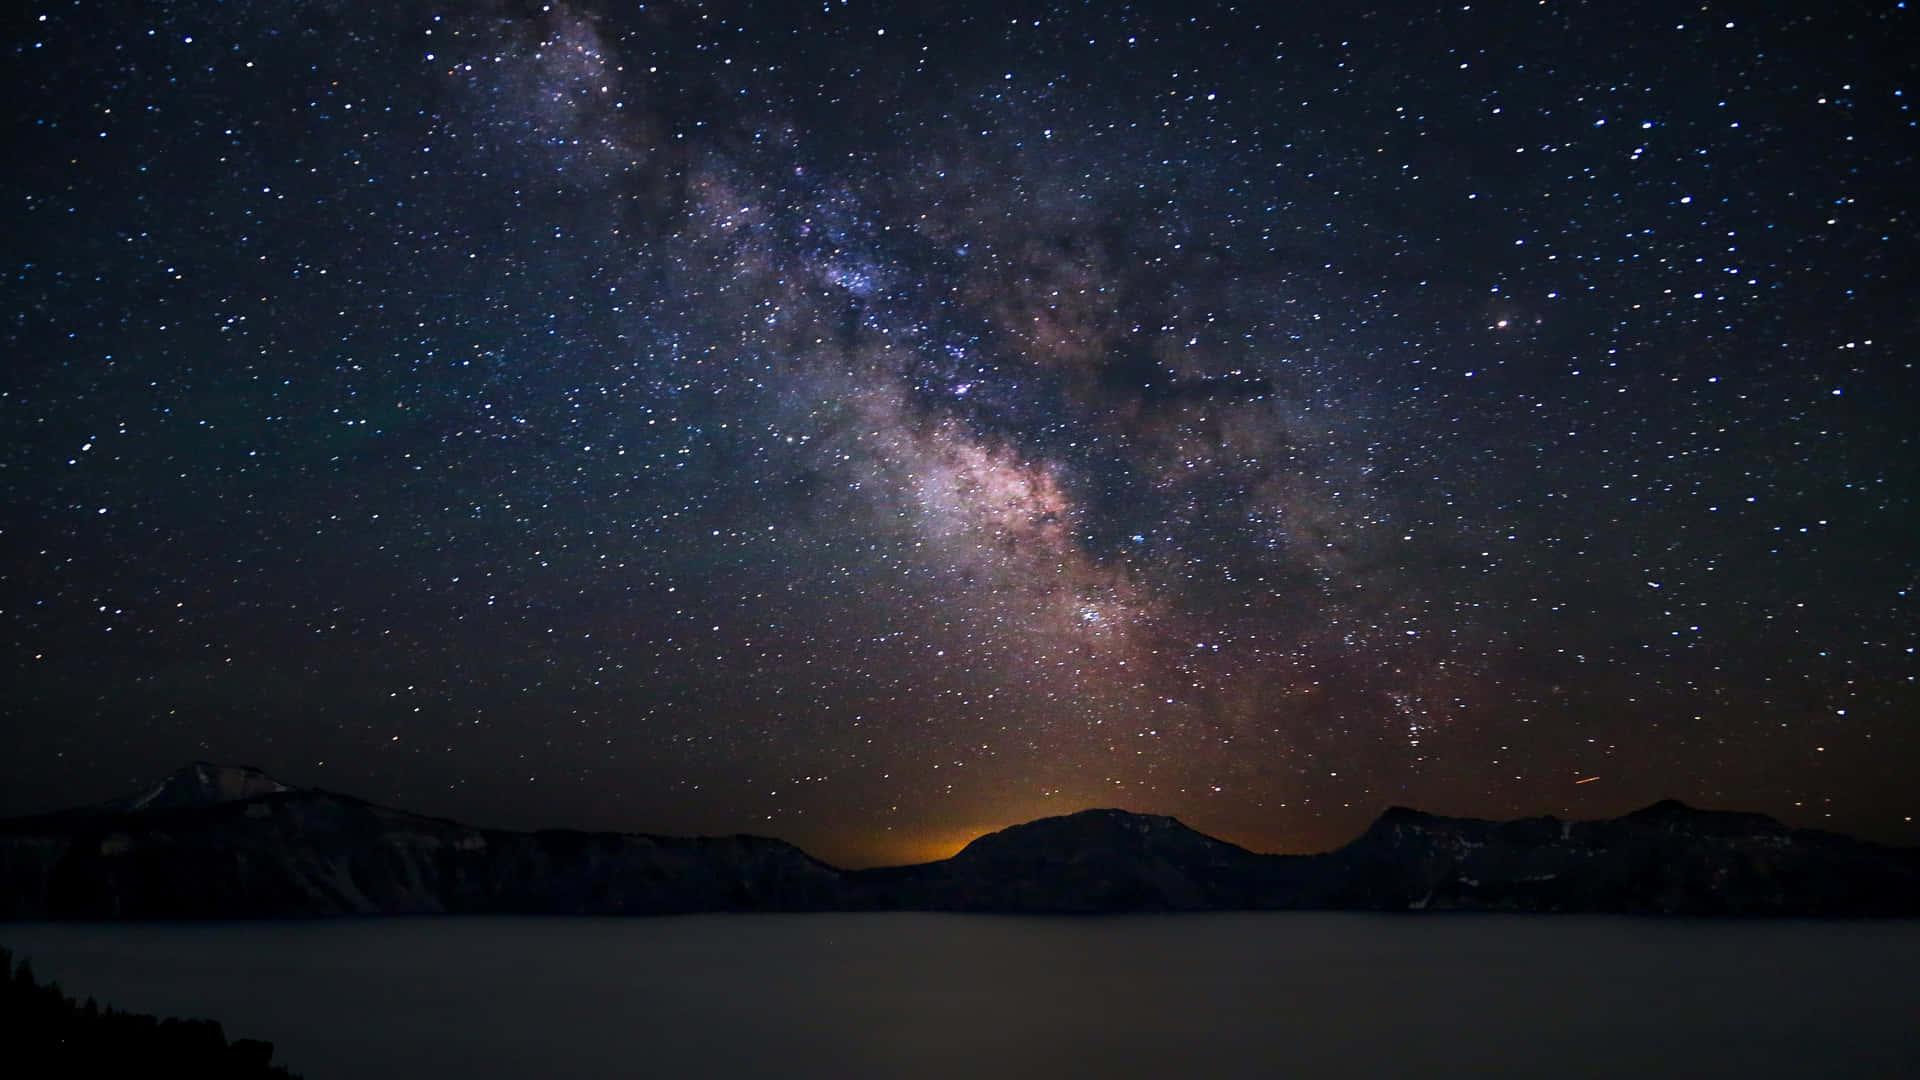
1114,816
1403,815
1674,814
1105,829
203,783
1665,808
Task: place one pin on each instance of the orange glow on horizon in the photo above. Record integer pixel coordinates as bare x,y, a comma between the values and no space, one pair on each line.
902,848
910,845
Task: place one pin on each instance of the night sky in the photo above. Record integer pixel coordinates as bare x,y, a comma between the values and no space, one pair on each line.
872,426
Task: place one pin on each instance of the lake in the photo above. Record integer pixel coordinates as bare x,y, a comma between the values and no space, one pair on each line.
1295,995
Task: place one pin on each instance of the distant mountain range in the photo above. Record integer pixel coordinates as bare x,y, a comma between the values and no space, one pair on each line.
222,841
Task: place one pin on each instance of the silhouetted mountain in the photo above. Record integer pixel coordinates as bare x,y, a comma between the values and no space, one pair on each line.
1095,860
1668,858
202,784
309,852
221,842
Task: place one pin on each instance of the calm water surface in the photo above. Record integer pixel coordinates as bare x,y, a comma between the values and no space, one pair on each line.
1296,995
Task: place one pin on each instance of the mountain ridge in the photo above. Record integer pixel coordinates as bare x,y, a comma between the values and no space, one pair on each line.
222,841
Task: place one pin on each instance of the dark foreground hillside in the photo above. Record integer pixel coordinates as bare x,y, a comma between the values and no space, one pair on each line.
44,1033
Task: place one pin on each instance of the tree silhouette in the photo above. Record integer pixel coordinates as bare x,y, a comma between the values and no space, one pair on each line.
43,1032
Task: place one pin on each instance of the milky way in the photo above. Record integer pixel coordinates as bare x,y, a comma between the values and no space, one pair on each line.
874,429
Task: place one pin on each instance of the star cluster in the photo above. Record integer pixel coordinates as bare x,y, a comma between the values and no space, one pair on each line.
872,428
